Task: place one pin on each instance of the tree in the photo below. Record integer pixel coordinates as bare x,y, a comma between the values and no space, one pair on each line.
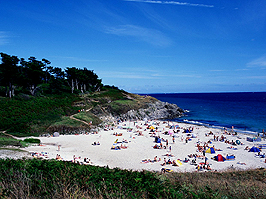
33,74
91,80
83,80
9,71
72,77
48,69
57,81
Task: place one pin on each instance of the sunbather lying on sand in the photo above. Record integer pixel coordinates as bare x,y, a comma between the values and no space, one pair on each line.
169,155
123,147
241,163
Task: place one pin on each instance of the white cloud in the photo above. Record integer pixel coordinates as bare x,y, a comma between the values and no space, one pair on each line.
80,59
217,70
126,75
3,38
150,36
241,69
173,3
256,77
260,62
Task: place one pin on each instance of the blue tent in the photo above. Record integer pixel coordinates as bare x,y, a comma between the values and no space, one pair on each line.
254,149
158,140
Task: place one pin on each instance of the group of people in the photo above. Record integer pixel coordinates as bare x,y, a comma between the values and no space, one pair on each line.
78,160
58,157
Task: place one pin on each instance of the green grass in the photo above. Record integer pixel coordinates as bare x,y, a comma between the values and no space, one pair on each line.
88,117
13,149
67,121
125,102
32,140
57,179
113,94
6,140
32,116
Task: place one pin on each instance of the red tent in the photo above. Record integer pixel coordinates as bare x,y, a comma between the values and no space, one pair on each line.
219,158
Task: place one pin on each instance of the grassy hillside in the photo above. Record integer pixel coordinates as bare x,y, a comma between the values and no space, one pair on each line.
67,113
57,179
33,115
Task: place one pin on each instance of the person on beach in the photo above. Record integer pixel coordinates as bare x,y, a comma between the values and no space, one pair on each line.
74,158
173,139
155,159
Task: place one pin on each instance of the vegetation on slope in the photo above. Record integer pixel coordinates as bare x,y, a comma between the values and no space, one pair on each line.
34,115
8,140
56,179
26,115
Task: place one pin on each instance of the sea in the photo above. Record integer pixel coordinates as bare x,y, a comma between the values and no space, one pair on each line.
244,111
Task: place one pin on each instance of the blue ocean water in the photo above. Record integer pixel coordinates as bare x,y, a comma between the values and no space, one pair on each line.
245,111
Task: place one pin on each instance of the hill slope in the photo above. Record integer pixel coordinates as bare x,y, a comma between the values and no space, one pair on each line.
70,113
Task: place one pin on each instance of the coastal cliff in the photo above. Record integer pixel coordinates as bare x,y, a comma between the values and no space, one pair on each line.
136,107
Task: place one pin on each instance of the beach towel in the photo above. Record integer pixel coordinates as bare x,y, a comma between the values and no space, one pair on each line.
230,157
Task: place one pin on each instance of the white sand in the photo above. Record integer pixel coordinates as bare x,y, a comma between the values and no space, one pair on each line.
141,147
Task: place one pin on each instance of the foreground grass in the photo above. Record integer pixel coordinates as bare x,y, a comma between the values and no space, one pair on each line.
56,179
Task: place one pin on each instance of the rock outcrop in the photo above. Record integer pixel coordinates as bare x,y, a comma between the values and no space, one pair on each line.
156,110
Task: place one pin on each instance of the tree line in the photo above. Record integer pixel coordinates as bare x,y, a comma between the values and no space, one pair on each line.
33,76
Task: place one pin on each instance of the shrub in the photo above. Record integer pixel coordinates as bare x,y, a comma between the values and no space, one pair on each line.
32,140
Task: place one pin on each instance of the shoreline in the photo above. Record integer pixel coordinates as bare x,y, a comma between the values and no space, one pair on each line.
246,132
137,138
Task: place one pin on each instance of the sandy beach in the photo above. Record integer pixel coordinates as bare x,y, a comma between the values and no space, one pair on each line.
138,152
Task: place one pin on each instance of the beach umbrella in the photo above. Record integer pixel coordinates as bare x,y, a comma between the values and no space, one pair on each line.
179,163
210,150
56,134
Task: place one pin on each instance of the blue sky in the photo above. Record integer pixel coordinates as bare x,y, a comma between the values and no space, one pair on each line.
145,46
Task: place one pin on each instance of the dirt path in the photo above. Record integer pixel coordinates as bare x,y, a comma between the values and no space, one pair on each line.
73,118
4,132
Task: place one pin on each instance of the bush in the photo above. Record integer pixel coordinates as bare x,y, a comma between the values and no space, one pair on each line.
32,140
